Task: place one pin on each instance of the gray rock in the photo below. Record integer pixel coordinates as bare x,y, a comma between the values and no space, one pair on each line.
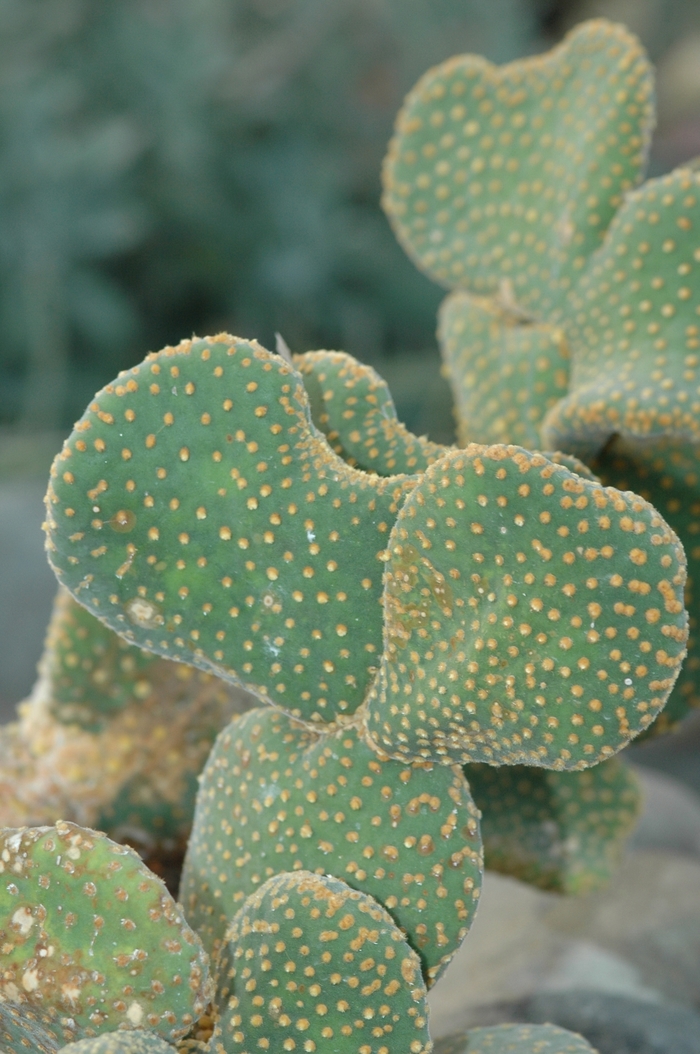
616,1024
670,816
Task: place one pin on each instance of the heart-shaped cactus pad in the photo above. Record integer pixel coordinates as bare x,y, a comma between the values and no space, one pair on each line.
503,180
197,511
532,616
406,834
314,965
89,934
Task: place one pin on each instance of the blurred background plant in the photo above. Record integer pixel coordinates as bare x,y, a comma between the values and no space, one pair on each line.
179,166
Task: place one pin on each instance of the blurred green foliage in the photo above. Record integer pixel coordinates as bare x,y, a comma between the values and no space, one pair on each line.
170,166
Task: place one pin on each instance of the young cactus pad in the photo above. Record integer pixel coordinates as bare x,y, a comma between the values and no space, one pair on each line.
532,616
352,405
197,511
506,372
502,180
632,325
315,965
515,1039
91,935
275,796
556,830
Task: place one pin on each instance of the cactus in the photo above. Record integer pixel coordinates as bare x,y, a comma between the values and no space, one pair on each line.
556,830
411,616
74,893
409,836
515,188
515,1039
363,991
112,737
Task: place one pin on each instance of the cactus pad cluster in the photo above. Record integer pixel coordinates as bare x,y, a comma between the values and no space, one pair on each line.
415,623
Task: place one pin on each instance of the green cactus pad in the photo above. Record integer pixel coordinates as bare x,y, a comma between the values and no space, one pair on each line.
505,372
129,770
277,797
137,1042
198,512
634,330
557,830
515,1039
352,406
502,180
667,474
93,672
88,931
33,1031
314,965
532,616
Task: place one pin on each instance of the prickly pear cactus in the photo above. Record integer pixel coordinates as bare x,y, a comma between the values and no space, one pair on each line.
510,588
112,737
515,1039
506,371
502,180
407,835
563,831
573,316
28,1029
222,530
352,406
91,939
351,982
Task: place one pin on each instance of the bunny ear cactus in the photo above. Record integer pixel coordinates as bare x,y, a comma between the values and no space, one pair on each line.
351,983
407,835
218,528
515,1039
502,180
91,938
506,372
557,830
353,407
111,737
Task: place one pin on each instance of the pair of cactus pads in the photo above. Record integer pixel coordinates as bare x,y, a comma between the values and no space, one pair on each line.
432,636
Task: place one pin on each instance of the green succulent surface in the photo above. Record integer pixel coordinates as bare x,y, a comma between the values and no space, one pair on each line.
557,830
515,1039
92,939
502,180
353,407
312,964
29,1029
633,325
532,616
506,372
197,511
276,796
667,473
136,1042
93,673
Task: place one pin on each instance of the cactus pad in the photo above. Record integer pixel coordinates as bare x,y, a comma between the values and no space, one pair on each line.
353,407
89,932
633,329
667,473
33,1031
502,180
198,512
407,835
557,830
505,372
515,1039
136,1042
314,965
532,616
